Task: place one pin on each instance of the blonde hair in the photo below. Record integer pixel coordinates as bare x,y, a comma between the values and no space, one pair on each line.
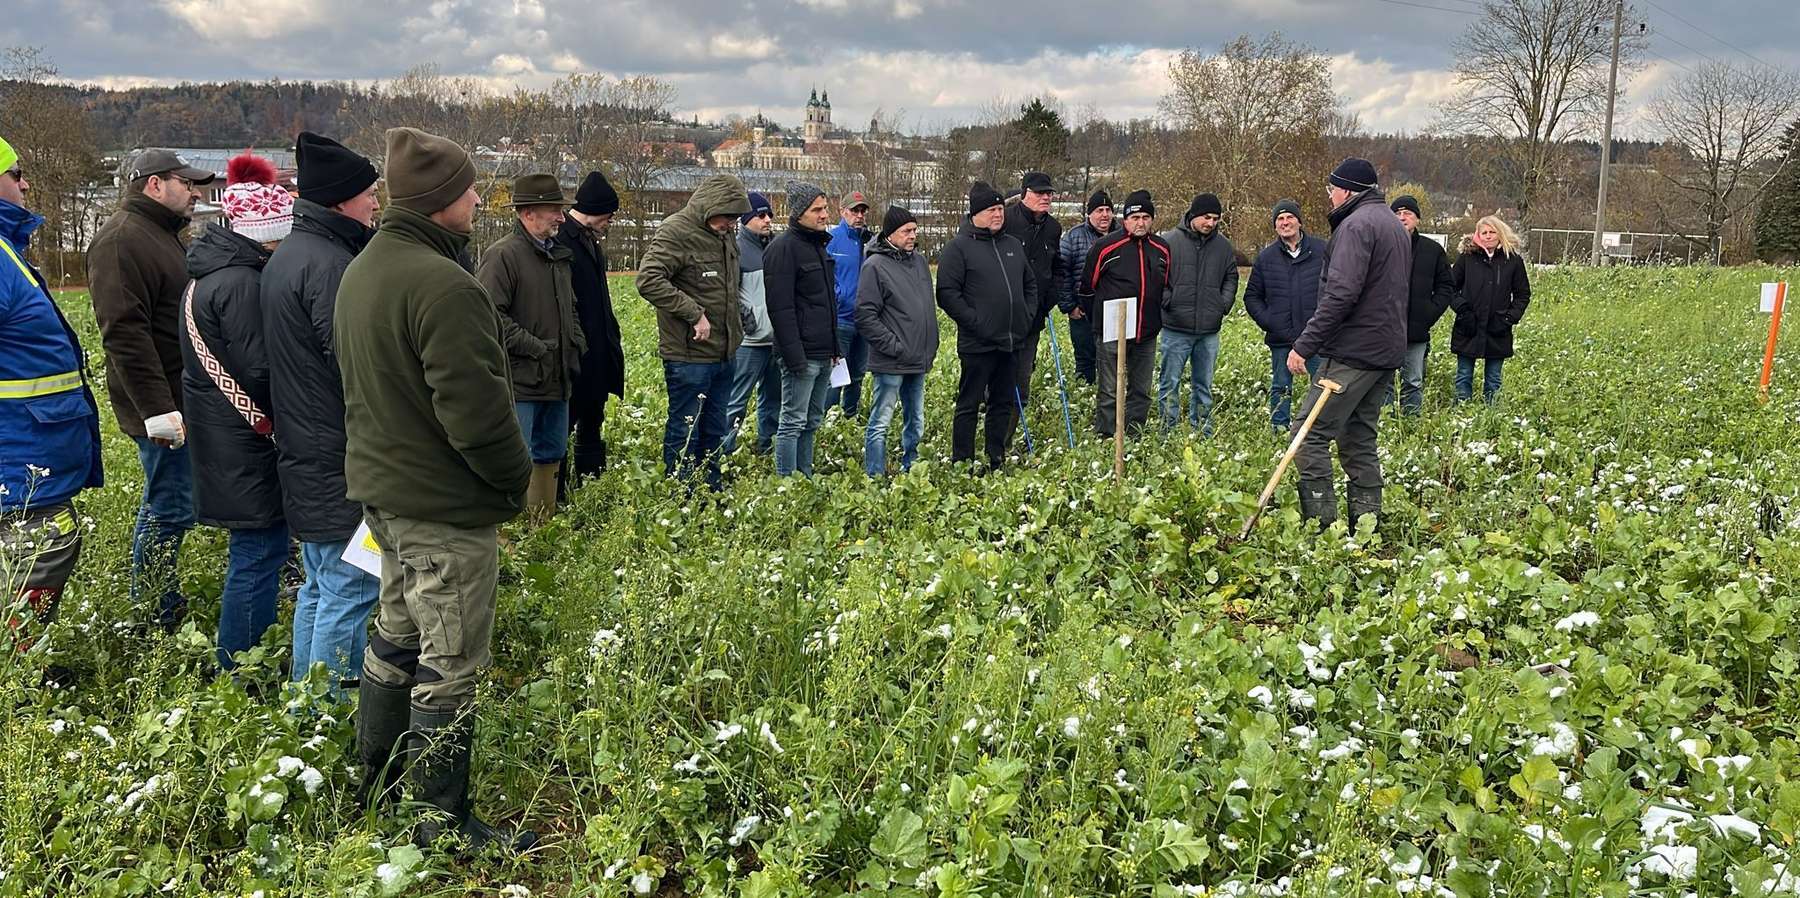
1509,238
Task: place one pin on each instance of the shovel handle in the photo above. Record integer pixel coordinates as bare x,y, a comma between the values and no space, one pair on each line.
1325,392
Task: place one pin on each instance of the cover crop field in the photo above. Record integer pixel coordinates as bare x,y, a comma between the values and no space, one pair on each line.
1035,683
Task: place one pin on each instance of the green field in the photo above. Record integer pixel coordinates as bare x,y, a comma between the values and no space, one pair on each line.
1037,683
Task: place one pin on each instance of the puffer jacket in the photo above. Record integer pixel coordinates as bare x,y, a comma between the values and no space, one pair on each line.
691,270
1361,319
1283,290
895,310
1122,266
986,285
1073,254
1203,280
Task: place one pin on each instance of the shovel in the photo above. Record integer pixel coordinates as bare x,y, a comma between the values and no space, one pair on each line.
1327,388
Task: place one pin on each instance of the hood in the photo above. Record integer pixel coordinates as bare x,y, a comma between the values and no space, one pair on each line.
880,247
1187,227
970,230
718,195
218,248
17,224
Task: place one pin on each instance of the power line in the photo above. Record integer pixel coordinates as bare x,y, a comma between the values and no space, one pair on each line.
1459,12
1678,42
1747,54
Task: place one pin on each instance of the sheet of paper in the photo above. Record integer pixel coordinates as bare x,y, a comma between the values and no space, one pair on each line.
363,551
1768,298
1109,316
840,373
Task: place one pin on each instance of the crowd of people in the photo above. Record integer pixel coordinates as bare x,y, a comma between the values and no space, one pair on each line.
318,364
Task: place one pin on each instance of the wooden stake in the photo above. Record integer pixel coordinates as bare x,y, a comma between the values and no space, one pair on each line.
1119,402
1768,368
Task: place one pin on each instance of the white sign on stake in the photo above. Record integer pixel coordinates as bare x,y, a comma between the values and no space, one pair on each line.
363,552
1110,317
1768,298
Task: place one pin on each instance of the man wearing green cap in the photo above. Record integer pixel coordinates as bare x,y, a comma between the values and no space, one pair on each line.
434,454
49,424
528,275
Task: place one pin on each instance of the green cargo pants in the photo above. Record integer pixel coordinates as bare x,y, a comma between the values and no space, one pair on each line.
435,620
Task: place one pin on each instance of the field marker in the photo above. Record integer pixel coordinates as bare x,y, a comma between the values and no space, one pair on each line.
1774,296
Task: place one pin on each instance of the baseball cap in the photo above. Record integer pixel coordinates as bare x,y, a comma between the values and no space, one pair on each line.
166,162
853,199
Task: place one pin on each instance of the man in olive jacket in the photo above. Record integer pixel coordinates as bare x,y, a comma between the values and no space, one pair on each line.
527,274
137,270
1359,330
690,274
435,455
1203,280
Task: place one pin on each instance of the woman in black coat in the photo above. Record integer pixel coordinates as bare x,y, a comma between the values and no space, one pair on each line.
1492,291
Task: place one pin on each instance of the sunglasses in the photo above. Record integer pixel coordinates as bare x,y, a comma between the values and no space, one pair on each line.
17,173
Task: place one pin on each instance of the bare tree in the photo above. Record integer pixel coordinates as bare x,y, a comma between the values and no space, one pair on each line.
46,125
1723,130
1532,73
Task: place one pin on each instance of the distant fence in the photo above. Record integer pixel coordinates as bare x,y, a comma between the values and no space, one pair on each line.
1556,246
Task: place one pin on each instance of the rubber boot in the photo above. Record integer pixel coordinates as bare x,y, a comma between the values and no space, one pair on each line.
1318,502
590,460
1364,500
382,715
562,482
540,494
441,744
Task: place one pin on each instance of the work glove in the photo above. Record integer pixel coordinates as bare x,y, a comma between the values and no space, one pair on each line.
167,427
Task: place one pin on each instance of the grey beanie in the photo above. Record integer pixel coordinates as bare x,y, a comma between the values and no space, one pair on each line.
800,196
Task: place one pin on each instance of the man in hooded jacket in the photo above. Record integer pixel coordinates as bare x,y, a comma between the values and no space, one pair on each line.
896,312
986,285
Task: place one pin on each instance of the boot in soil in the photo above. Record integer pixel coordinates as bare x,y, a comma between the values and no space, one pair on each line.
1364,501
440,747
1318,503
383,713
590,460
540,494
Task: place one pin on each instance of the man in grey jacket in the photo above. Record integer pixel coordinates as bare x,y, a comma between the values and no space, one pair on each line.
896,311
1203,279
757,369
1359,330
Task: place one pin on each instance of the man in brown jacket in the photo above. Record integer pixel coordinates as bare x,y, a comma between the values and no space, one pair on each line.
690,274
137,272
528,276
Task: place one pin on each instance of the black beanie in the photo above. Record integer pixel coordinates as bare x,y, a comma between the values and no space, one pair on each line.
1288,206
1408,202
1098,200
982,195
1204,204
330,173
1138,201
1355,175
895,218
596,196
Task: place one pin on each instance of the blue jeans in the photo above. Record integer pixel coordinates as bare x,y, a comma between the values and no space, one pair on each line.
757,369
164,516
252,584
909,391
1465,379
698,393
1281,387
1412,378
802,408
545,424
854,349
331,613
1179,350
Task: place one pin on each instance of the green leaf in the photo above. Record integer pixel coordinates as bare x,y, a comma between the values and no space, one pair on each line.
900,839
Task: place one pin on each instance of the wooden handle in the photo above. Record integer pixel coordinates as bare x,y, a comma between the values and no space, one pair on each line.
1287,457
1119,389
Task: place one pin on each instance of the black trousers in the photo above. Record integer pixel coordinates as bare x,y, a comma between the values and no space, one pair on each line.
987,377
587,415
1081,333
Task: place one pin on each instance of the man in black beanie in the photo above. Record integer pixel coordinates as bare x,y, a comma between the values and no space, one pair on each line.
333,220
603,363
1203,281
1431,288
1132,263
1029,221
986,285
1359,330
1072,254
896,311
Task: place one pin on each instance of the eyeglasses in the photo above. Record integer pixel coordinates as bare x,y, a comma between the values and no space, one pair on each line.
170,176
17,173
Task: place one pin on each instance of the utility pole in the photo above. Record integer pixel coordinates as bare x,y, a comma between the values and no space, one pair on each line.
1612,95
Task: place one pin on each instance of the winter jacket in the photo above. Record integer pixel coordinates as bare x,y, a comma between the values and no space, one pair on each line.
137,271
299,299
896,311
48,418
800,284
846,249
1121,266
532,287
753,302
1283,290
986,285
1203,280
1073,254
236,484
690,270
1361,319
1041,236
1492,293
1430,290
428,405
602,368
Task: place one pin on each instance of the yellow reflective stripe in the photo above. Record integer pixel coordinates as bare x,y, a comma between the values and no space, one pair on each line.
64,521
5,245
39,386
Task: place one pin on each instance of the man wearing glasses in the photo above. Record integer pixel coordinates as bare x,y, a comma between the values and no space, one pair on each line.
1032,224
758,368
137,272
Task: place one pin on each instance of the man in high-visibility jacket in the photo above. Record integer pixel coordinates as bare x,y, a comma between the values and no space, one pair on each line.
49,424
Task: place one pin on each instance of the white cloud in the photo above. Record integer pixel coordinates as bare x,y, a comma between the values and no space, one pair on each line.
257,20
1387,99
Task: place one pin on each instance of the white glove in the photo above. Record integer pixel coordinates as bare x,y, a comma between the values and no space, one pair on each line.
167,427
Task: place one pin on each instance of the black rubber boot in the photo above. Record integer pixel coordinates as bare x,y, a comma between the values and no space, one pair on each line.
1364,501
439,750
590,459
382,715
1318,502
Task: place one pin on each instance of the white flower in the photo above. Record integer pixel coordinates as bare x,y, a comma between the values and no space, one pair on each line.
743,829
691,765
57,726
1300,698
311,779
1559,744
1343,750
1581,619
1071,727
1263,695
768,735
288,765
727,733
105,734
641,883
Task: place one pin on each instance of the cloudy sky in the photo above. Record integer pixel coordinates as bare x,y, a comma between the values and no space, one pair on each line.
932,62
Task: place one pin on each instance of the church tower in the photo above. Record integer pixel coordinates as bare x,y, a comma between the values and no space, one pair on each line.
818,116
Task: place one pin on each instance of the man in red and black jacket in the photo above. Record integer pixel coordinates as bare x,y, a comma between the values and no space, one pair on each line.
1132,262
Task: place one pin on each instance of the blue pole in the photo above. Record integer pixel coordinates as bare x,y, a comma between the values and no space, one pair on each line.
1020,399
1061,387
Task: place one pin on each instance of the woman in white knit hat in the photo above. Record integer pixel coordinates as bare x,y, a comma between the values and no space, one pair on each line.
225,385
